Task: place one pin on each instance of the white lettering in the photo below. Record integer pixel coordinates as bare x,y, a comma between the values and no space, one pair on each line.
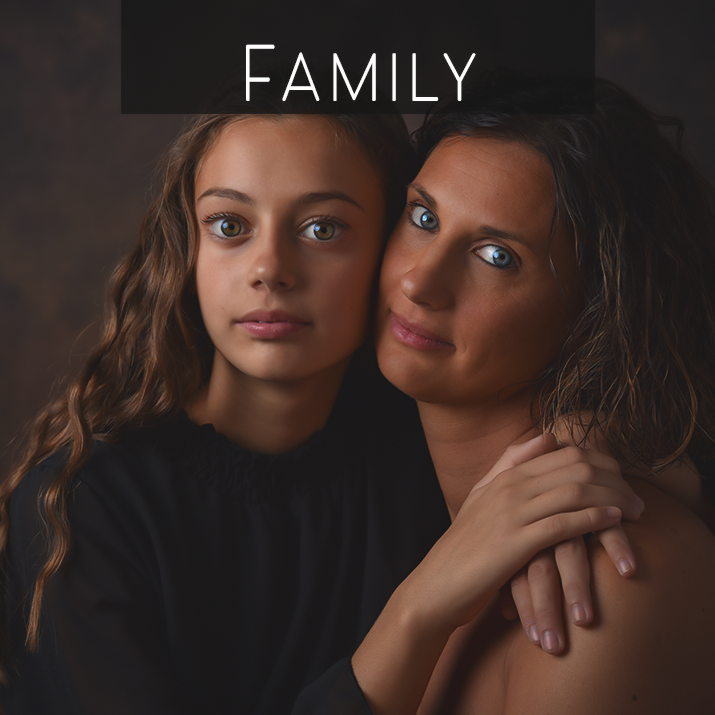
250,79
290,86
394,77
338,65
461,76
415,98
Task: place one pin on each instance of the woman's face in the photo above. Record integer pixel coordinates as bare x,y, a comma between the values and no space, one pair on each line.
469,307
291,221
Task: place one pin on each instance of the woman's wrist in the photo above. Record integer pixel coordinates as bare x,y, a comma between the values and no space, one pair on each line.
394,663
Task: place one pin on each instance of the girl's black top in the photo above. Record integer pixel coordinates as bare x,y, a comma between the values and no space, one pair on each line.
206,578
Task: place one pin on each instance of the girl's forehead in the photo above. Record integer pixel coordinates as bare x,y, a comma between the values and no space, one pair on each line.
281,163
307,138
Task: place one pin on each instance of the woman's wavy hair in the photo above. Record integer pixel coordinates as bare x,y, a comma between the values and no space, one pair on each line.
154,352
637,364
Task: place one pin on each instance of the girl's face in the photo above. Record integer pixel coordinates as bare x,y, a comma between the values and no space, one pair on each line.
291,220
469,308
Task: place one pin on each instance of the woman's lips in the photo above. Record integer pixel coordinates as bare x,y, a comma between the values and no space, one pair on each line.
271,324
415,336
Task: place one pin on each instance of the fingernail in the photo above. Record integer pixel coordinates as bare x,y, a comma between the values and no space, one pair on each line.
578,613
614,512
534,634
551,642
624,566
640,504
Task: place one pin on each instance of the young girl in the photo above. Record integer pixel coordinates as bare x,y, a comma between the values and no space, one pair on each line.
550,265
180,574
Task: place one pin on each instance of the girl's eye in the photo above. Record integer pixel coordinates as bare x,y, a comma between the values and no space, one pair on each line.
225,227
322,230
424,218
496,255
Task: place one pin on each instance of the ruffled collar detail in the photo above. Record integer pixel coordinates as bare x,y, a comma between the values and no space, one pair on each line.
238,473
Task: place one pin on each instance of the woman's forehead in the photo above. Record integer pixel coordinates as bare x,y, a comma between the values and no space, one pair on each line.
488,177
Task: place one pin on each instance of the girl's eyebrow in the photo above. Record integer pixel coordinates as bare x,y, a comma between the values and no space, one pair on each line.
228,194
312,197
316,197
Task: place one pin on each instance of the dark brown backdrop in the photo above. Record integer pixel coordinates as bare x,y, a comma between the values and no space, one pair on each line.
75,174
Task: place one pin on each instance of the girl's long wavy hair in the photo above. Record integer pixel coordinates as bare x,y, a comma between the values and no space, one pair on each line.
638,363
154,352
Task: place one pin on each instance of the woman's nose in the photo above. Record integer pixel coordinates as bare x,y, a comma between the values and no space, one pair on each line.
429,281
273,266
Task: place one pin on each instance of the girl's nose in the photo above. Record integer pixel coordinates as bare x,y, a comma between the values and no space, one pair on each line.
273,267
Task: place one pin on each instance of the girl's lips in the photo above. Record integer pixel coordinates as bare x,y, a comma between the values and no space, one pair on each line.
416,336
271,324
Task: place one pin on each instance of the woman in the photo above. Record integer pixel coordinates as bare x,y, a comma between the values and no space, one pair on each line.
202,523
547,265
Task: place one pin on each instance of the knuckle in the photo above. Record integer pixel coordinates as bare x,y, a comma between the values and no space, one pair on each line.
576,491
519,580
583,471
556,526
542,570
595,517
573,454
545,615
566,549
575,591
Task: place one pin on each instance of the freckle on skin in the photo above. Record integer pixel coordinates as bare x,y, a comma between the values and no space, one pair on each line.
635,697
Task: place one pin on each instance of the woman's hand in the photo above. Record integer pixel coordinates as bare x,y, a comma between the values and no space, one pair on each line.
534,594
534,492
549,495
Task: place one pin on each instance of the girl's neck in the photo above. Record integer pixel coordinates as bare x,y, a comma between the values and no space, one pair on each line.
465,441
264,416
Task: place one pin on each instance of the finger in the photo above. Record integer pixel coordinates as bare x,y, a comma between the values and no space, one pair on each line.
572,465
537,503
568,457
561,527
521,595
506,601
545,588
619,550
519,454
575,572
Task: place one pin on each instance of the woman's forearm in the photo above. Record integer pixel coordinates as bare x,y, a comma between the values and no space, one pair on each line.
394,663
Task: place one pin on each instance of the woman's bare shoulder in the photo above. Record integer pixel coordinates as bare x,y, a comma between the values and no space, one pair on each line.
651,647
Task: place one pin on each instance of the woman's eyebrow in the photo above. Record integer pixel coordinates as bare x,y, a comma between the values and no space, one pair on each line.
499,233
429,200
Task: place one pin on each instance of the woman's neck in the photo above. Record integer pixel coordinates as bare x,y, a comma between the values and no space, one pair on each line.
264,416
466,441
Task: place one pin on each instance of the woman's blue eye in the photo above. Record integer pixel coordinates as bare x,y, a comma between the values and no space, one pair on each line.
496,255
424,218
227,227
322,230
